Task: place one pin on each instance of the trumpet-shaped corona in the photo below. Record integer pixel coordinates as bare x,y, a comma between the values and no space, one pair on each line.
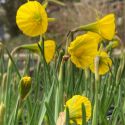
49,49
104,27
113,44
83,48
75,108
31,18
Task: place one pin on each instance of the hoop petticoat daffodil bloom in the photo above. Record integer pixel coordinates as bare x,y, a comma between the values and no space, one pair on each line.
24,87
75,108
31,18
49,49
83,48
105,63
104,27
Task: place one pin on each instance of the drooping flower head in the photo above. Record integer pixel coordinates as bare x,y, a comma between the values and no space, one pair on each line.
104,27
31,18
49,49
75,108
83,48
105,63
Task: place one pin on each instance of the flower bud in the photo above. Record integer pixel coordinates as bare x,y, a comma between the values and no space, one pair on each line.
112,45
25,86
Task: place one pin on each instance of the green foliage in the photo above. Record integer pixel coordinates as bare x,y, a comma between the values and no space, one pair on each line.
55,83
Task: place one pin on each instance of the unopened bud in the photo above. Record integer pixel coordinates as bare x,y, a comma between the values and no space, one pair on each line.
112,45
24,87
115,43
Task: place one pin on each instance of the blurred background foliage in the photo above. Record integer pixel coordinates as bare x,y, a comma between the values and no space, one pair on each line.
74,13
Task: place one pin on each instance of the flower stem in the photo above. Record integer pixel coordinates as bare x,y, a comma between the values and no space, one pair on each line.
95,110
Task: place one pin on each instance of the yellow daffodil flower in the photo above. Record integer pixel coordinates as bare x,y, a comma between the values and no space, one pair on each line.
83,48
49,49
104,27
75,108
104,63
31,18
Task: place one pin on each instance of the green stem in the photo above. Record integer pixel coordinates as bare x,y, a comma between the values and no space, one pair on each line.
96,105
86,81
89,27
45,63
67,116
59,92
57,2
18,105
11,61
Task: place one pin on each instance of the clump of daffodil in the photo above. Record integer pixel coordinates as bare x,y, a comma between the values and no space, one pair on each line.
24,87
83,48
105,63
49,49
2,113
104,27
31,18
75,108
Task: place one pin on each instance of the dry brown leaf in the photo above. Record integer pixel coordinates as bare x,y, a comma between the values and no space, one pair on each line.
61,119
